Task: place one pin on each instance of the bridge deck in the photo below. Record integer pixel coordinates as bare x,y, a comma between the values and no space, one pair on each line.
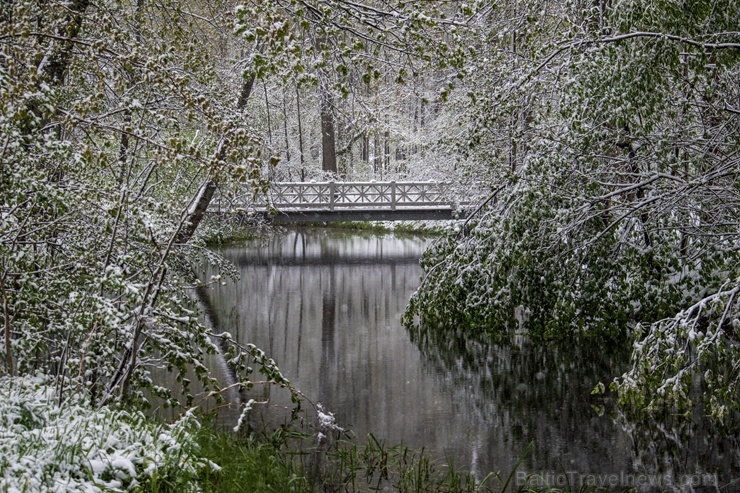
427,214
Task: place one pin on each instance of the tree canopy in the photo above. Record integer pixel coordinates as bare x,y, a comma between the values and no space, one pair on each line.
606,135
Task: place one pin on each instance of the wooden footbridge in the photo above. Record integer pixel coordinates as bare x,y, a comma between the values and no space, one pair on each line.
355,201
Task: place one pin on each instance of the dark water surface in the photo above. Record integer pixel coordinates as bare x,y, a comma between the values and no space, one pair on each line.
326,306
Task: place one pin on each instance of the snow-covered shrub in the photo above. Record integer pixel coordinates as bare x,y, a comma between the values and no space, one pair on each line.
46,445
701,340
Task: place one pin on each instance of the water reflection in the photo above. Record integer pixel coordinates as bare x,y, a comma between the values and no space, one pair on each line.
327,308
521,391
541,392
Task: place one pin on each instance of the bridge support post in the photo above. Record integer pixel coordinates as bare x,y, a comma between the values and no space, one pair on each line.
332,190
393,195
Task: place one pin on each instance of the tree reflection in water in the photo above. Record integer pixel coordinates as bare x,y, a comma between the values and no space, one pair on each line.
327,307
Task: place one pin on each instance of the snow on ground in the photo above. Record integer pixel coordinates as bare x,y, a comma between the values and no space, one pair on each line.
48,447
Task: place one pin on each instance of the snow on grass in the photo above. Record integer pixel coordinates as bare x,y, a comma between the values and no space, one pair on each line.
45,446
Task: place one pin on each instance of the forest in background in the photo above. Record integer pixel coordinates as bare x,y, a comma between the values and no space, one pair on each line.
605,135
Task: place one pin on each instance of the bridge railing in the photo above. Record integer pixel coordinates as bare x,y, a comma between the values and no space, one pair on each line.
354,195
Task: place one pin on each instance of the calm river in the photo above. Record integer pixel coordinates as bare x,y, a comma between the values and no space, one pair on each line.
326,306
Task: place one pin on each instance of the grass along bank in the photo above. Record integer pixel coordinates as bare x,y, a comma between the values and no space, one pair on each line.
380,227
47,445
272,464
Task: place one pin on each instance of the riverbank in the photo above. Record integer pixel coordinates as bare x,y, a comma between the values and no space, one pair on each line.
47,445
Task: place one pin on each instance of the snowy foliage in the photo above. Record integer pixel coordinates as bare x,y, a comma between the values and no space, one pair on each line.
612,136
70,447
109,125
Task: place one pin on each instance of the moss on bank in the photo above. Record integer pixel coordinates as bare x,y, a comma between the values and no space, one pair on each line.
411,227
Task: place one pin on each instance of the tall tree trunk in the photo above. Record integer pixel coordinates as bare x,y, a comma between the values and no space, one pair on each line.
53,68
285,133
377,157
246,91
365,148
300,134
328,139
9,369
196,212
387,150
513,117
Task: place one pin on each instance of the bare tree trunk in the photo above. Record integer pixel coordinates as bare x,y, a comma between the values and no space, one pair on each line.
513,119
386,151
422,123
377,158
53,68
196,212
6,318
245,92
125,143
365,148
269,119
300,134
328,139
285,132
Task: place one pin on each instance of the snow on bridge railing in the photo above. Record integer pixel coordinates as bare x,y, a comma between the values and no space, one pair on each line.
345,196
355,195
